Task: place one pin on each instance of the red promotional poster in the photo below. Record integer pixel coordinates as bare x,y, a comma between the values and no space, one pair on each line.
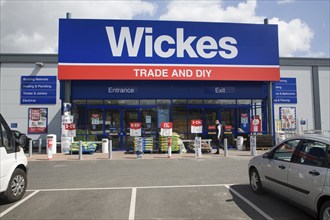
38,120
255,124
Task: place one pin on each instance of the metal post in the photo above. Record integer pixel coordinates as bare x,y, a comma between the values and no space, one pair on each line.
80,150
110,149
40,142
253,144
225,147
30,148
169,145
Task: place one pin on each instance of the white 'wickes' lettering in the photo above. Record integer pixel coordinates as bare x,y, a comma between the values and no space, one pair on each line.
166,46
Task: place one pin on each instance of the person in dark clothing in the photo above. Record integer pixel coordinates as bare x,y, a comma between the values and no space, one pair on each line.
219,135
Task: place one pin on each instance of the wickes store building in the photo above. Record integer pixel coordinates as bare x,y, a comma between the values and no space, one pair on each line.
119,71
156,71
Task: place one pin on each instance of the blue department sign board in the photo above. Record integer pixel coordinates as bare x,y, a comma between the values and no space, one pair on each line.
285,91
38,89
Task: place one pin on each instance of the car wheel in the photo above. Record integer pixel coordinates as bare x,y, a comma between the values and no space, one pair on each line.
325,211
255,182
17,186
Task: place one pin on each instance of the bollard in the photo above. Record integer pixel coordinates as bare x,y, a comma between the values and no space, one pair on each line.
40,142
110,149
198,147
139,150
253,144
169,145
30,148
80,150
225,148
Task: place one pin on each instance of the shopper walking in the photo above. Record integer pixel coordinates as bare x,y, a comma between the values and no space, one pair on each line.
219,136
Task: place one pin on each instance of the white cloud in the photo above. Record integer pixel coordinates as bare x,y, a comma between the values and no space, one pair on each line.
294,36
281,2
32,26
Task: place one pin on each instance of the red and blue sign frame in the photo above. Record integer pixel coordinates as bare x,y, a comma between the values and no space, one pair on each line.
88,52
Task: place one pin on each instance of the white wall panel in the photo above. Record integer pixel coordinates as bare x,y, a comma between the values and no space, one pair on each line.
324,78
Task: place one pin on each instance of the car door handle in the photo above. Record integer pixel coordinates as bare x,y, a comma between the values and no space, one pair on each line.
314,173
281,167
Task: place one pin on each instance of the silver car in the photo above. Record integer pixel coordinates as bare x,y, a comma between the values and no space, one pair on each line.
298,169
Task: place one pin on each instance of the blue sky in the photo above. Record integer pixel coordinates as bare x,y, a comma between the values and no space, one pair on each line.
31,26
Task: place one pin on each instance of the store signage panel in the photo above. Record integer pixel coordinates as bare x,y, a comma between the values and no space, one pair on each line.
285,91
167,50
38,89
220,90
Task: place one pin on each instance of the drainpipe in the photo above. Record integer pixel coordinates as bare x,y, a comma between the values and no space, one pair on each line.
269,102
67,97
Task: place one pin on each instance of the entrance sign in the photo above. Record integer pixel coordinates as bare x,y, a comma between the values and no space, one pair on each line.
135,129
167,50
196,126
166,129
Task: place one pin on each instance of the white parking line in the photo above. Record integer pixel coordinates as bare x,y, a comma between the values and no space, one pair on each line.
131,215
249,203
17,204
125,187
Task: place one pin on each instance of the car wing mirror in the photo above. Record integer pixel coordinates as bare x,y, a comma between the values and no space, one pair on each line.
267,155
22,140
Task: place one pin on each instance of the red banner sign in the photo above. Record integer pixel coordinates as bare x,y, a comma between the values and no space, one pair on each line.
70,126
135,125
196,123
166,125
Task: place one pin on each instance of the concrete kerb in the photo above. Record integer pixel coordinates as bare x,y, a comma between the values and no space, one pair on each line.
122,155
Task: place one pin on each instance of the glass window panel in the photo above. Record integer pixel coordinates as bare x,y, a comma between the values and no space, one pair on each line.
148,102
228,117
95,121
212,101
79,118
179,101
163,101
195,101
244,101
128,102
163,114
243,120
228,102
111,102
257,101
148,119
179,119
95,102
79,102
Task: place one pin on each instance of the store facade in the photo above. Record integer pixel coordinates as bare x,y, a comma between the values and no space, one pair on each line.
156,71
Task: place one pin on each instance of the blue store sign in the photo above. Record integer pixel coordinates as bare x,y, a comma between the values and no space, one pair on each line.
166,50
38,89
285,91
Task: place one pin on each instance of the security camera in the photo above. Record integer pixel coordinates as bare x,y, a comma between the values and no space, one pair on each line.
40,64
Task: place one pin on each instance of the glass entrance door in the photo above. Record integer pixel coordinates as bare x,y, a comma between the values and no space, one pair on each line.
112,127
128,116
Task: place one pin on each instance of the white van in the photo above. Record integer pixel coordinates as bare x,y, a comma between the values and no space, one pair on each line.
13,173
